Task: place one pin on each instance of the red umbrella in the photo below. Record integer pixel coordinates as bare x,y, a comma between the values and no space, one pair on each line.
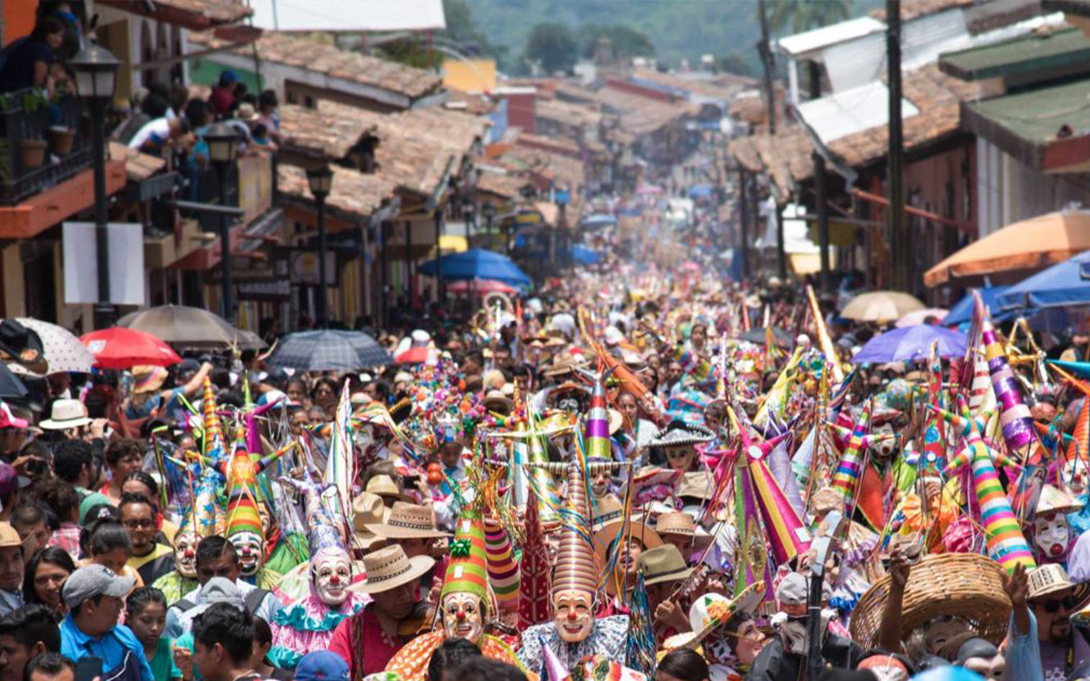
413,356
481,286
121,348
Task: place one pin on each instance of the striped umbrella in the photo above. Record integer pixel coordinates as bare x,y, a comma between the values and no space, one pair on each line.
329,350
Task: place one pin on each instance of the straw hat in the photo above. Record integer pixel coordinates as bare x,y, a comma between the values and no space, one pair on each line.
563,364
1054,500
367,509
389,568
1052,579
679,433
384,486
148,378
407,521
610,521
66,414
497,401
696,485
616,420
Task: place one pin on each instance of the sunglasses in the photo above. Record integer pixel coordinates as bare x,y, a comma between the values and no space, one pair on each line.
1068,604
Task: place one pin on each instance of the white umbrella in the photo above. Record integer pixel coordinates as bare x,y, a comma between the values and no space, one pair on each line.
63,351
881,306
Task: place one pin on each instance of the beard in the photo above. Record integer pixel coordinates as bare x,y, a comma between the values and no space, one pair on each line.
1059,631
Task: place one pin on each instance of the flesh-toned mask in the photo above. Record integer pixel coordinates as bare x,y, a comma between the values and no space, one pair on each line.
462,616
185,554
250,550
332,575
574,615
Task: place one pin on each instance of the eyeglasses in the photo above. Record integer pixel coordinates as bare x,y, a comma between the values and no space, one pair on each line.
139,524
1068,604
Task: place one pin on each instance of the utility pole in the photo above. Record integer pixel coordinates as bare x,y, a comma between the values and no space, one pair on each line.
743,215
900,247
822,190
765,50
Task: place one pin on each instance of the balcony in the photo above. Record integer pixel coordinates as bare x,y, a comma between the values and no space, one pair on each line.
28,119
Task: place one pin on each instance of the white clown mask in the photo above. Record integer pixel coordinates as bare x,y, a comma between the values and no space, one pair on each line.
185,554
332,573
1052,535
251,550
463,616
574,615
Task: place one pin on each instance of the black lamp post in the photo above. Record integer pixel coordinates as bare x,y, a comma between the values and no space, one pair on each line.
320,180
96,75
489,212
222,142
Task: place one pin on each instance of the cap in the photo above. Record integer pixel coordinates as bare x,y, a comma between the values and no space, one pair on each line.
94,580
8,419
218,590
9,536
228,76
321,665
187,365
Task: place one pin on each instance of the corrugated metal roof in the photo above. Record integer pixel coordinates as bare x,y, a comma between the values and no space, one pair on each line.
850,111
349,15
863,60
805,45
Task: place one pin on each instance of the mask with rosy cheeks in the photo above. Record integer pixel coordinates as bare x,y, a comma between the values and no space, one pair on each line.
185,554
601,486
885,448
250,550
1075,476
1052,535
332,575
462,616
574,615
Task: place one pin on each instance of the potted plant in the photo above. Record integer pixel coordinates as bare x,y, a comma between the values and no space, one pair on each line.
60,139
32,153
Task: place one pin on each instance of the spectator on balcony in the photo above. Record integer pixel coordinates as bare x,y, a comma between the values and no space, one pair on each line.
28,62
268,108
223,95
159,134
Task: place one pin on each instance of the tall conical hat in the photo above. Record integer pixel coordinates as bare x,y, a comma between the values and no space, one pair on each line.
552,669
596,428
467,571
535,606
214,448
1014,416
322,533
850,469
503,571
241,472
1080,441
576,563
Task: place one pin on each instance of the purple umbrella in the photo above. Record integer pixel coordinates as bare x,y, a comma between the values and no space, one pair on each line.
911,342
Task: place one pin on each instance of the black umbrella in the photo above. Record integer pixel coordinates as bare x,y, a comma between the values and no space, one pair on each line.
779,337
11,388
329,350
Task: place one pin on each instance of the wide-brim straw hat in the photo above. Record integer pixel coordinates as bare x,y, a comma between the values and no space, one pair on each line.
384,486
407,521
367,509
681,523
66,414
664,564
148,378
679,433
389,568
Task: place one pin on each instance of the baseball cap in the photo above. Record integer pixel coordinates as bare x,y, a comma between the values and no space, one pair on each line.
321,665
218,590
94,580
8,419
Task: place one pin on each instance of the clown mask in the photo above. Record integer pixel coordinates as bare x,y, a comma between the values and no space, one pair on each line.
462,616
1075,475
885,446
600,485
574,615
1051,535
250,550
185,554
332,574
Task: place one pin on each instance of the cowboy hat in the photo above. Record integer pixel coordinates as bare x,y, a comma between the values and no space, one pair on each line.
610,521
681,523
389,568
66,414
23,346
367,509
497,401
384,486
663,564
1052,579
678,433
407,521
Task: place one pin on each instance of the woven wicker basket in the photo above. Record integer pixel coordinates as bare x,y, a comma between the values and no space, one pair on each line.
966,585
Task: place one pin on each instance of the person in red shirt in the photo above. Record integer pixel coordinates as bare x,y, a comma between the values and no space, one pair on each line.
369,639
223,95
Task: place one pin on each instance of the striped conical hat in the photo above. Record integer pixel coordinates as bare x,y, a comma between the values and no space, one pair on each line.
213,444
576,563
467,571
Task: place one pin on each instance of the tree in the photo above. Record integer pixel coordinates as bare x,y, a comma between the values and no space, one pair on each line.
552,46
803,15
627,42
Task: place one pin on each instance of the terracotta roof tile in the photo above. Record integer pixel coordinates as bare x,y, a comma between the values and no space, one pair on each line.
784,157
138,165
354,194
914,9
282,48
568,113
507,186
204,12
712,88
324,133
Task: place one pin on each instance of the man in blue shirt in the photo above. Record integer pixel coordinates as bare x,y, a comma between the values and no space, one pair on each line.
95,596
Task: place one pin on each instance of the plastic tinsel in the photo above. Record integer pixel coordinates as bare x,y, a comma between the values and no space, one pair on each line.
640,650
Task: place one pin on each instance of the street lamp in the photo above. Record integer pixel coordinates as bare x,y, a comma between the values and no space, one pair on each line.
489,212
222,142
96,75
320,180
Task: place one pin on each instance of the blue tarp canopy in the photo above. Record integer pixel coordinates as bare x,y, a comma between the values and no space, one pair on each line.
962,311
477,263
1061,285
584,255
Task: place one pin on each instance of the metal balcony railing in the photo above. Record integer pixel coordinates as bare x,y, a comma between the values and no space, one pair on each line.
27,115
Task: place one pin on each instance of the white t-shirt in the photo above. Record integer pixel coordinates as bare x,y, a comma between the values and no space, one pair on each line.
160,127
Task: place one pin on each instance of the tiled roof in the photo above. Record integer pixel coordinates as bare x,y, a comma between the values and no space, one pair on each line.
469,102
354,194
548,166
323,133
641,115
568,113
785,157
193,14
702,87
914,9
507,186
556,144
282,48
936,95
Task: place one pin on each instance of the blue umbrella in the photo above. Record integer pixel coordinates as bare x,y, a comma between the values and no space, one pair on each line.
962,311
584,256
598,220
478,264
700,191
1059,286
911,342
